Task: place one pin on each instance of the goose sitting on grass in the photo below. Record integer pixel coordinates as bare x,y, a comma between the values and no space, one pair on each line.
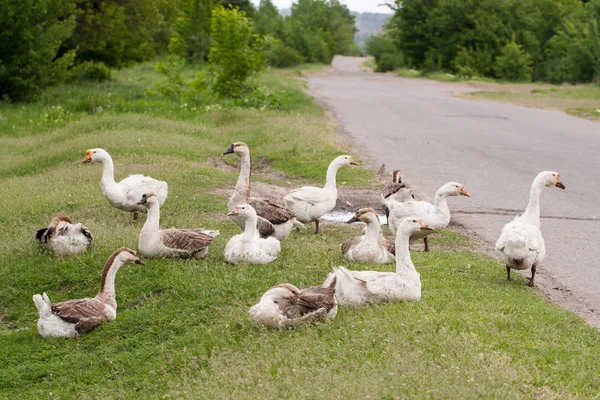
183,243
521,245
366,287
395,192
287,306
73,318
273,220
64,238
310,203
126,194
249,247
371,247
436,215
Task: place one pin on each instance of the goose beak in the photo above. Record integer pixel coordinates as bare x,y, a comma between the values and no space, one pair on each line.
233,213
88,157
353,219
463,192
144,199
424,226
138,261
352,162
229,150
559,183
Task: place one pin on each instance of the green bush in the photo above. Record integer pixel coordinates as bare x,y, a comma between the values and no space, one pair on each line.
389,62
513,64
235,53
281,56
378,45
31,33
92,71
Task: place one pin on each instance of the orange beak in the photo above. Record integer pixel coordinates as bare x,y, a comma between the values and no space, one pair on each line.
463,192
424,226
233,213
352,162
88,157
559,183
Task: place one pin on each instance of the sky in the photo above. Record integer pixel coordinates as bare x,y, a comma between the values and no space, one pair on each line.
354,5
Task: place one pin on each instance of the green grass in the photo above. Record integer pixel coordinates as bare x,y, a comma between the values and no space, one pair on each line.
182,329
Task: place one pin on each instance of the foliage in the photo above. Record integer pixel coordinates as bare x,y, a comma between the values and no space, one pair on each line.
389,62
377,45
191,30
119,33
235,53
31,33
281,56
513,64
245,6
92,71
267,20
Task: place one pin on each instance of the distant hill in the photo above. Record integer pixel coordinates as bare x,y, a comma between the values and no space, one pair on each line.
368,24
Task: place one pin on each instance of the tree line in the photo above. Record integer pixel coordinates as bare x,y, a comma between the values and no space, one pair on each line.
517,40
46,42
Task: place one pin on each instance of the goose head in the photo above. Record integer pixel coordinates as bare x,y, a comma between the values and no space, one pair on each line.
551,179
126,256
243,210
366,215
148,199
95,155
411,225
239,148
397,176
284,291
453,189
343,161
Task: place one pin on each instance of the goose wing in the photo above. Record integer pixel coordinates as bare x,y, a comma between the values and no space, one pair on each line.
312,299
391,189
387,245
309,194
186,239
350,243
272,212
77,310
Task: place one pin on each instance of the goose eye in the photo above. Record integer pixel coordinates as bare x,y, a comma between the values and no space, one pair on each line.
93,152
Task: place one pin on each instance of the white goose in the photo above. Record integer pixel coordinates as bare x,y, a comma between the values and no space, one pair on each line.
521,245
73,318
310,203
273,220
64,238
249,247
366,287
125,194
436,215
395,192
184,243
286,306
371,247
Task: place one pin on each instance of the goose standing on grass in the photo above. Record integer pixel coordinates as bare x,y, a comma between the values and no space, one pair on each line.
521,245
125,194
273,220
183,243
286,306
436,215
64,238
249,247
371,247
367,287
73,318
310,203
395,191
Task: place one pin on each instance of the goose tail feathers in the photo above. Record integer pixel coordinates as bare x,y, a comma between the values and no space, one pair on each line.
42,305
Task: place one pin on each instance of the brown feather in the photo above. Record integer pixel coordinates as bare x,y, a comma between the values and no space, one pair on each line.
265,228
75,310
348,244
87,324
309,300
387,244
272,212
192,240
391,189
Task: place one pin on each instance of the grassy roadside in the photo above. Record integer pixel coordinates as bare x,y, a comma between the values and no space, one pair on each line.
182,329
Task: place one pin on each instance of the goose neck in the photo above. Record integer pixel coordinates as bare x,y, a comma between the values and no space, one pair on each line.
330,180
242,187
441,202
250,230
404,263
108,172
532,212
373,231
107,288
152,223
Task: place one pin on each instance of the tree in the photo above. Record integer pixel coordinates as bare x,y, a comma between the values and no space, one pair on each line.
267,20
513,63
191,31
235,53
32,32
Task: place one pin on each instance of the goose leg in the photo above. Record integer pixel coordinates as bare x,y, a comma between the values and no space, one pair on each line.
134,214
533,267
426,243
317,227
387,215
507,273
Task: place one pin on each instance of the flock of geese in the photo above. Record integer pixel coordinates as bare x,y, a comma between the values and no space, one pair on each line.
264,224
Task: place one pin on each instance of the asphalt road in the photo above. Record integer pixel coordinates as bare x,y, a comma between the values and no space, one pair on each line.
495,150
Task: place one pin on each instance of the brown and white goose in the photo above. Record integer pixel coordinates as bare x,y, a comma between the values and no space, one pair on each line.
371,247
395,191
287,306
274,220
64,238
73,318
183,243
